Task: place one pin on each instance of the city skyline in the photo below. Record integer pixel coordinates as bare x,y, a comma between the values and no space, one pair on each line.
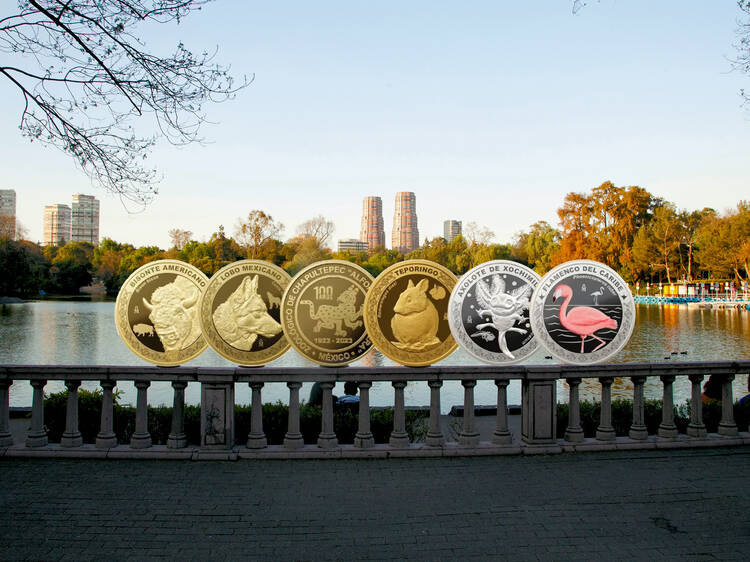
490,115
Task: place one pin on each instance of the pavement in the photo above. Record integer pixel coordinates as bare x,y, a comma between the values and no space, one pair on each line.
619,505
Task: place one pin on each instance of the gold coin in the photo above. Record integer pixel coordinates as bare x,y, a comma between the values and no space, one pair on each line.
406,312
322,312
157,312
241,312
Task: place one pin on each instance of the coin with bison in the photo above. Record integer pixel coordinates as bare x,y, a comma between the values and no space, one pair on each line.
489,312
582,312
157,312
241,312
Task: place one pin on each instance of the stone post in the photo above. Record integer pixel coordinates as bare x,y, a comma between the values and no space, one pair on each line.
605,431
106,437
399,438
6,437
327,438
177,438
696,427
364,439
434,435
638,430
574,431
256,439
71,437
37,435
539,406
727,427
501,435
141,438
217,416
667,428
293,438
469,436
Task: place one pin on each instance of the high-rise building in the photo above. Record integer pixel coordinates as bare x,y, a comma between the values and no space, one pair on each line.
405,235
85,219
8,213
451,229
372,231
352,245
56,225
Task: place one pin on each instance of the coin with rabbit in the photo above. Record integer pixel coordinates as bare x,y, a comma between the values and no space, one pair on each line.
241,312
321,312
489,312
582,312
406,312
157,312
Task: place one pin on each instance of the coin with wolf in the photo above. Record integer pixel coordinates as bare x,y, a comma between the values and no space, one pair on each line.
241,312
489,312
157,312
406,312
582,312
322,312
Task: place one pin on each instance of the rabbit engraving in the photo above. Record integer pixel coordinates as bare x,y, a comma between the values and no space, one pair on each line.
415,323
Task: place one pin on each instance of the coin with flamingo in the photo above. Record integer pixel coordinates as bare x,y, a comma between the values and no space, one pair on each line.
582,312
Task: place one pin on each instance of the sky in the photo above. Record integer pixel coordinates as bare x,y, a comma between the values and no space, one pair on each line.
489,111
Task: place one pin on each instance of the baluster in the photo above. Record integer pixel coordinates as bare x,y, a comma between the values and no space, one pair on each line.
667,428
399,438
72,436
574,431
501,435
605,431
6,437
37,435
327,437
256,439
177,438
696,427
363,438
106,437
141,438
434,435
469,436
727,427
638,430
293,438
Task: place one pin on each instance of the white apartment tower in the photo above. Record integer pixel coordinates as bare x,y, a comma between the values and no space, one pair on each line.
56,225
8,213
85,219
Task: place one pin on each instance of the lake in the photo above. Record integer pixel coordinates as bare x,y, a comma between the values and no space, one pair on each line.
82,332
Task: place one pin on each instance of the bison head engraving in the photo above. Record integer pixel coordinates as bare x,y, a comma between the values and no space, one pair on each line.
174,314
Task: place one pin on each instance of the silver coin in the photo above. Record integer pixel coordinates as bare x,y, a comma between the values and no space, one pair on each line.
582,312
488,312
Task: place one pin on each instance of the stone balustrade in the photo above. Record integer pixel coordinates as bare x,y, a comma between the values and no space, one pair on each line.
538,433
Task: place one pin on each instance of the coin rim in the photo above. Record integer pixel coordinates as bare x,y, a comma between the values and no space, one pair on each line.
242,358
461,335
365,335
622,338
373,328
125,331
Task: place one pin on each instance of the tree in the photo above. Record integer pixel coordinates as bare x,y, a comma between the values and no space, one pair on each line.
84,76
253,232
742,62
179,237
319,228
538,246
473,233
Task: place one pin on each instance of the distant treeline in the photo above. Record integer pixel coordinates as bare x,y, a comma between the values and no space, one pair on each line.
641,236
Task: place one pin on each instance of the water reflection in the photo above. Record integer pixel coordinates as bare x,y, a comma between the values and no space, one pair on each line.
83,333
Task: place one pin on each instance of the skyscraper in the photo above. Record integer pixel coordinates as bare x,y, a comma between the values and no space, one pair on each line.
8,213
405,235
85,219
56,225
451,229
372,230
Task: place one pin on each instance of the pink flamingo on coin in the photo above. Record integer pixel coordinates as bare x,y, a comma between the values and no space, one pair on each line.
582,320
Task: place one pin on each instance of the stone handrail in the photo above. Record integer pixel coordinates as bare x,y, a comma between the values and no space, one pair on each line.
538,410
